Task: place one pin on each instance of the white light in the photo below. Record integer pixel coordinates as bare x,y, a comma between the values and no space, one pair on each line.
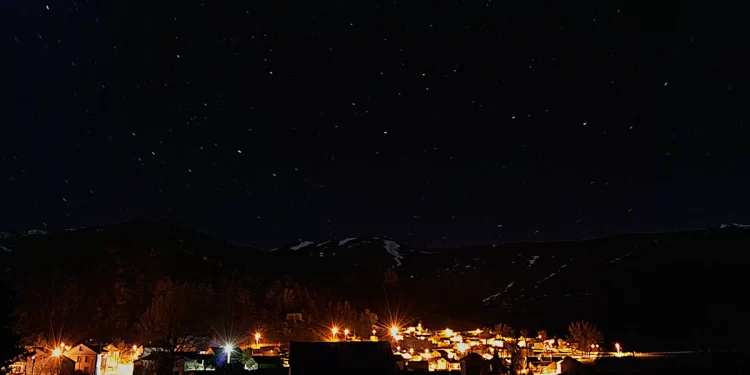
228,349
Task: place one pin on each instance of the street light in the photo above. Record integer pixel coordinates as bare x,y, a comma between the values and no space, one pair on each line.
394,331
346,333
228,349
334,332
257,338
57,352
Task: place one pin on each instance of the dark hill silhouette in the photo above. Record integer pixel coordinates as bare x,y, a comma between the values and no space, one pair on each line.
666,289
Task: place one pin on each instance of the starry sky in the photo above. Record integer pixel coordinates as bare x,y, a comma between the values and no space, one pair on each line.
437,123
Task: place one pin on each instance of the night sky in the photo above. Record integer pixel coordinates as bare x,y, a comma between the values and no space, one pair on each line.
437,123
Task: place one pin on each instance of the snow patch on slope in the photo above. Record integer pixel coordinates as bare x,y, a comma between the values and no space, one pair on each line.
734,225
346,240
392,248
551,275
301,245
490,298
533,260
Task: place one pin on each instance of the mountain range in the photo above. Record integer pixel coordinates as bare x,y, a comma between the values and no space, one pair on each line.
660,290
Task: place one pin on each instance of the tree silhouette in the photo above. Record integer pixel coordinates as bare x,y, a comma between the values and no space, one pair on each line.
505,330
585,334
485,334
173,320
10,342
517,359
542,335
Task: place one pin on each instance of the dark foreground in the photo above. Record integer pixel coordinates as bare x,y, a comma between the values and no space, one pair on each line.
718,363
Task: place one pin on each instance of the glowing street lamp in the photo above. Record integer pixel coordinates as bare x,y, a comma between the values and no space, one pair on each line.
346,333
394,331
334,332
257,338
228,349
57,352
618,347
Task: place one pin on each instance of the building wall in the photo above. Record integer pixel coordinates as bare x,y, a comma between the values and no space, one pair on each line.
84,358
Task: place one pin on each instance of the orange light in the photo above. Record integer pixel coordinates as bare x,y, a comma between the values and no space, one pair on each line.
56,352
335,330
394,331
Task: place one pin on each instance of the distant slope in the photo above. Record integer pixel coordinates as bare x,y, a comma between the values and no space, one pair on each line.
666,289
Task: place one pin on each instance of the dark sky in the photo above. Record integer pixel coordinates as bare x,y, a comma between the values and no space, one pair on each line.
433,122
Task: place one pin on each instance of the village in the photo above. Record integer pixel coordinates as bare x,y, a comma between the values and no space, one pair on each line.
410,349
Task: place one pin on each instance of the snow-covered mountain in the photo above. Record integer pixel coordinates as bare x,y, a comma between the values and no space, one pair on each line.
368,249
538,283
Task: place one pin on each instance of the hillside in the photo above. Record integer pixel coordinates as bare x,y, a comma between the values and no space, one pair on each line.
671,289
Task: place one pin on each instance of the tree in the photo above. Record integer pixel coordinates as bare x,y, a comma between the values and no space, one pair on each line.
504,330
173,320
542,335
517,359
485,334
585,334
10,342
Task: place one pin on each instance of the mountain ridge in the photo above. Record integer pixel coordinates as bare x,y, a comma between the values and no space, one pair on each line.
608,280
4,235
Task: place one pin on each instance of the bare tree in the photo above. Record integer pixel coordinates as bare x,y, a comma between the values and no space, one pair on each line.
518,362
173,320
505,330
585,334
542,335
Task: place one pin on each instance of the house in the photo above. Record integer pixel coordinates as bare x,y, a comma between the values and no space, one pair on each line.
273,362
111,356
152,364
543,367
84,358
422,366
294,317
41,361
184,363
